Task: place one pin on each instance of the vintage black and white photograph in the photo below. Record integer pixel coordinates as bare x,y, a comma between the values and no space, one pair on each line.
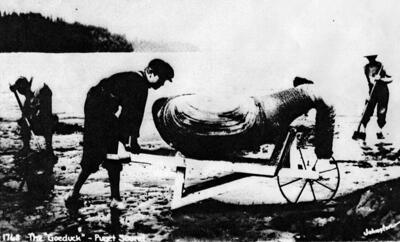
212,120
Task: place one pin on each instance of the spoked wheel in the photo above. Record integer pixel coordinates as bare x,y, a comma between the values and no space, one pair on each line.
323,188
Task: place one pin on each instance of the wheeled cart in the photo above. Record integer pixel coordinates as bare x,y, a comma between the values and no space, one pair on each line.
299,178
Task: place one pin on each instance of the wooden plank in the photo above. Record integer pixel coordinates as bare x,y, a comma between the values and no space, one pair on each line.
253,169
205,194
160,161
213,183
172,162
184,196
178,187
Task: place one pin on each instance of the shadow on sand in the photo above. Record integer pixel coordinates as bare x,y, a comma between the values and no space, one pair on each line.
345,218
35,169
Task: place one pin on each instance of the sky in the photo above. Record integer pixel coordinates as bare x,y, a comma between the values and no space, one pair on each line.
250,43
245,47
290,26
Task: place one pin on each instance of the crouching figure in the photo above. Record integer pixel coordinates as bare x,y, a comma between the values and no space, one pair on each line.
37,116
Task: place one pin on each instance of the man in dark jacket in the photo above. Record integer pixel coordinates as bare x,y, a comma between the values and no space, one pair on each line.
114,111
37,113
379,93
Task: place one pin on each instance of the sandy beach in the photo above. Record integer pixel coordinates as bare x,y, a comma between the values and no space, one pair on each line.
225,49
249,212
254,210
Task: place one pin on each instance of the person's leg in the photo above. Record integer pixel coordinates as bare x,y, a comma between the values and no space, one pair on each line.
48,136
83,176
48,121
90,164
25,134
49,144
92,157
369,111
114,168
114,171
382,106
93,136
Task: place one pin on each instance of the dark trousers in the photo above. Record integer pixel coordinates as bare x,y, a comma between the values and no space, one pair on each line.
379,99
101,129
42,124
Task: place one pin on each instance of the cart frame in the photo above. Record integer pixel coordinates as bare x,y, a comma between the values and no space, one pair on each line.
283,167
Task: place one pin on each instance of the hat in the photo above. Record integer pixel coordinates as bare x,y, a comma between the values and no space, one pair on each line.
300,81
21,83
162,69
371,57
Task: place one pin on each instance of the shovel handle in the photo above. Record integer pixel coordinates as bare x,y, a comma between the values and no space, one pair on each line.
22,110
25,118
366,106
18,100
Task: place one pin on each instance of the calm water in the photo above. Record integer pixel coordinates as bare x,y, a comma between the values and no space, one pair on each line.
234,73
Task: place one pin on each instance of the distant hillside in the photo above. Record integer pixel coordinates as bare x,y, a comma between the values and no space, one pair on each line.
160,46
32,32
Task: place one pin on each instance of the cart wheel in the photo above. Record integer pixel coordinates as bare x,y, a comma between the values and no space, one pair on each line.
322,189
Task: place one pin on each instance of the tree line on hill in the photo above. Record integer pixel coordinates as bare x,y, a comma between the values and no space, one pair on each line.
31,32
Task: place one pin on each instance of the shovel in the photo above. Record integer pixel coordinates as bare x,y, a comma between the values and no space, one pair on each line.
361,135
26,119
31,131
357,134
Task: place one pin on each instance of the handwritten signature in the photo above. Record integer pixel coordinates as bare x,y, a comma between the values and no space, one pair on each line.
381,229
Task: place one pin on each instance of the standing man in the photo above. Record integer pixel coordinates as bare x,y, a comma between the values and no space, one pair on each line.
379,94
37,113
114,111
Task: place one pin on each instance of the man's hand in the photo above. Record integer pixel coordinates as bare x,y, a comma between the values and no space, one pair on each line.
133,146
374,78
118,112
12,88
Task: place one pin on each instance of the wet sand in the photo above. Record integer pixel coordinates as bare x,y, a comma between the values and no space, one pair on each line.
148,191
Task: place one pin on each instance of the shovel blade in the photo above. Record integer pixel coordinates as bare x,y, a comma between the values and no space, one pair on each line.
359,135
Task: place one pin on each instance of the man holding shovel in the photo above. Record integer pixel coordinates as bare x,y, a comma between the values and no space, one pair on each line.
37,117
114,110
378,96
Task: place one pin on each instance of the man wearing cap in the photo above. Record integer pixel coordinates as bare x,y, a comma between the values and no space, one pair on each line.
379,93
114,111
37,113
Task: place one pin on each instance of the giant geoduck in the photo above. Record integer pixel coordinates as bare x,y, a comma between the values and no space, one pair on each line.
216,127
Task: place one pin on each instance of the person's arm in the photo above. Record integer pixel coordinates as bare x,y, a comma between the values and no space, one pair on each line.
133,107
385,78
366,72
368,76
384,73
